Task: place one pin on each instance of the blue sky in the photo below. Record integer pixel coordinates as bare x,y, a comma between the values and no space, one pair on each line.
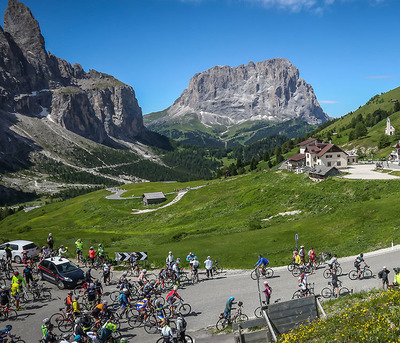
348,50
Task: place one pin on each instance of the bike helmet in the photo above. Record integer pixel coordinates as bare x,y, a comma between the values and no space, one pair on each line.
91,248
144,271
123,340
208,257
302,275
99,244
194,258
3,287
8,327
362,255
125,273
231,299
265,282
158,301
152,282
169,252
105,302
16,273
125,290
61,246
78,338
70,292
259,255
78,320
76,297
46,320
334,255
176,288
86,312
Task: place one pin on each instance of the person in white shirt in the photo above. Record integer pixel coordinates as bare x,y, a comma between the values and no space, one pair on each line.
169,259
209,264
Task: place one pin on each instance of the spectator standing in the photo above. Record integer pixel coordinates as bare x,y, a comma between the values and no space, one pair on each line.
209,264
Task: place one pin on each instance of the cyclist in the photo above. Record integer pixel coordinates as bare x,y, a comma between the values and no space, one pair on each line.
357,264
263,262
8,251
79,249
88,276
142,277
91,294
65,338
86,321
62,252
5,297
302,254
189,258
77,339
100,252
335,284
45,327
175,269
78,329
92,255
160,312
396,281
50,242
142,306
68,302
27,272
17,277
296,258
16,289
76,307
106,272
99,308
106,332
228,307
181,328
171,298
303,283
50,336
332,262
312,257
166,333
209,264
45,252
148,288
267,291
124,299
169,259
195,267
383,274
99,290
6,332
133,263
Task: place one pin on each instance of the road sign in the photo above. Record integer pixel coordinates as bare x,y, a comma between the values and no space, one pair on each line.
124,256
296,237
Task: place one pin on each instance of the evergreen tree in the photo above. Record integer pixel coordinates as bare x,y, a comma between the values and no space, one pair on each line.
360,130
253,164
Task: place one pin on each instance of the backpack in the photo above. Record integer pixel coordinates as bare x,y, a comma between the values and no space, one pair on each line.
357,262
184,323
120,298
380,274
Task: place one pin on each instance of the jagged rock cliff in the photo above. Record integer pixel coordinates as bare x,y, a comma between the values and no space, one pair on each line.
269,91
36,83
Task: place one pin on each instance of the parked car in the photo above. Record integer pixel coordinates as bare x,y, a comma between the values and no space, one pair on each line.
60,271
18,247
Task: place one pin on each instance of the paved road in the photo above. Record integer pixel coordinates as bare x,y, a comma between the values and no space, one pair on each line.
366,172
209,296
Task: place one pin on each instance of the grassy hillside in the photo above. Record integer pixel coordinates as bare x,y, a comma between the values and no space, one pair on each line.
362,317
225,219
369,143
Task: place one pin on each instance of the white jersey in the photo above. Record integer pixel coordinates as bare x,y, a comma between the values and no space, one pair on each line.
195,263
209,264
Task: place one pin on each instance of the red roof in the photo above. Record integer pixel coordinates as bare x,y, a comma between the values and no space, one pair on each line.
297,157
329,147
308,141
313,149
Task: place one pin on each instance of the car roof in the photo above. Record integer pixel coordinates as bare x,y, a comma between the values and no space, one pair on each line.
57,260
19,241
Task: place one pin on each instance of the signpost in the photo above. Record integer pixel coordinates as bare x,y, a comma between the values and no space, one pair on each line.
124,256
296,237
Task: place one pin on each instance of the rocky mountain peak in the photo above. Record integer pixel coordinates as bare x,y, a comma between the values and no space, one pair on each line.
25,32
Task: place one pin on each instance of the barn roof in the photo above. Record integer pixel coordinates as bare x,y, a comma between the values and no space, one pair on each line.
156,195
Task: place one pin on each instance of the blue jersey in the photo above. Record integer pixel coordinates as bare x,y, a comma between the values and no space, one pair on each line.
261,261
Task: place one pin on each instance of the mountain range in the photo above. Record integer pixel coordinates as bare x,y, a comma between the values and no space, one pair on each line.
241,105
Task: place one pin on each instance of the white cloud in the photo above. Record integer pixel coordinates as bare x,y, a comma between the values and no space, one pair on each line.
328,102
380,77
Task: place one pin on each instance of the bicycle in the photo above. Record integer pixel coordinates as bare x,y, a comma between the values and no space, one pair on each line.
365,273
194,276
257,272
335,267
178,340
181,307
224,320
302,294
64,320
329,292
258,311
217,268
301,269
15,340
39,291
7,313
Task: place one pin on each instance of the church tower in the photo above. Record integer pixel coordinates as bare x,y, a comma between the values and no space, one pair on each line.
389,131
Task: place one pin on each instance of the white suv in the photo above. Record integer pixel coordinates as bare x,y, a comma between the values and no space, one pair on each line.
17,248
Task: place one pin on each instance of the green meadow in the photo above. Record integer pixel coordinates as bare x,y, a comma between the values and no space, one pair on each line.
224,219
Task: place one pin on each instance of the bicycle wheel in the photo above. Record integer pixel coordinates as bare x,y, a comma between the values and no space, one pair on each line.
326,292
269,273
240,318
114,295
327,273
56,318
160,340
253,274
222,324
19,341
12,315
135,321
290,267
185,309
219,269
344,291
151,325
339,270
258,312
367,273
353,274
188,339
46,295
296,271
65,325
296,295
